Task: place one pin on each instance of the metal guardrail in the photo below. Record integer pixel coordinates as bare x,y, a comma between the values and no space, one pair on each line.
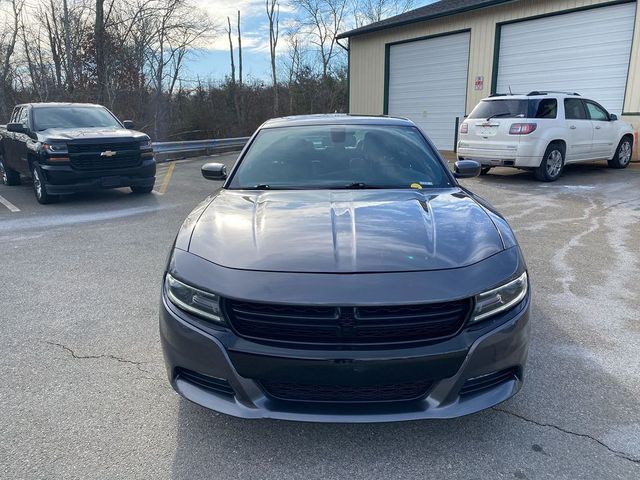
208,146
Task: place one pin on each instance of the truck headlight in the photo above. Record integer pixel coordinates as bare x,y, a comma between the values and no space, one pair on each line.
55,148
500,299
193,300
145,143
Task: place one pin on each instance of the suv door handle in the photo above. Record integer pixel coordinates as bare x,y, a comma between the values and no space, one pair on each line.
572,127
598,127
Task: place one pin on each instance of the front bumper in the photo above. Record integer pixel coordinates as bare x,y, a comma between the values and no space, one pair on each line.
63,179
496,345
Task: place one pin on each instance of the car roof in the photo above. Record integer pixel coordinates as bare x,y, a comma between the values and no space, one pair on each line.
335,119
58,104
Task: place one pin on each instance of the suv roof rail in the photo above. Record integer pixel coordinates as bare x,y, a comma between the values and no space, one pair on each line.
536,92
498,95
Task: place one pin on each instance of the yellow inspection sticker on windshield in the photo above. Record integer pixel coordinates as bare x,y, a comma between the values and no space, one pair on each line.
417,186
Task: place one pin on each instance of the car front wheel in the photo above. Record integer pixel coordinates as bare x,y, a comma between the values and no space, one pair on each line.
39,187
552,163
623,153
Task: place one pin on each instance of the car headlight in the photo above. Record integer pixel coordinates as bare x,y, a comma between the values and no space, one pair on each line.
56,148
146,143
195,301
500,299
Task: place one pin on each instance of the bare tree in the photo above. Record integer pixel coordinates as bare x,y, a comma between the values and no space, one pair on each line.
7,48
233,67
273,14
101,70
321,20
239,51
371,11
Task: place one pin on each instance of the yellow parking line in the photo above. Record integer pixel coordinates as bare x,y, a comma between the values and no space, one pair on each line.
165,180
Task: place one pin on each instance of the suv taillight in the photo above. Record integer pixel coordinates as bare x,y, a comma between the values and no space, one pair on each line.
522,128
464,128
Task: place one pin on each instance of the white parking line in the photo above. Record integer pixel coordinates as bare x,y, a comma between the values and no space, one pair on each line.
9,205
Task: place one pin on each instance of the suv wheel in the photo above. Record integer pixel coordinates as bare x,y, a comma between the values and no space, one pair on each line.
8,176
552,163
622,156
39,187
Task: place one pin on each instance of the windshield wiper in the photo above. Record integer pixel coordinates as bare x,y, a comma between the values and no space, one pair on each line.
501,114
261,186
356,185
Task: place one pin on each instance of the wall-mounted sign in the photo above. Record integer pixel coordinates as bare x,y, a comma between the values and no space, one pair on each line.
479,82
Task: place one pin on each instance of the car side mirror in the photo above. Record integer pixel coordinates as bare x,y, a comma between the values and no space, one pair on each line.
129,125
466,169
214,171
16,127
613,117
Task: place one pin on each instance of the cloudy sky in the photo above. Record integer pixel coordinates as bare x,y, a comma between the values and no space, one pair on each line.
213,61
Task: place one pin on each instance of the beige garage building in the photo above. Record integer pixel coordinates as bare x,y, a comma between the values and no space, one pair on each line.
435,63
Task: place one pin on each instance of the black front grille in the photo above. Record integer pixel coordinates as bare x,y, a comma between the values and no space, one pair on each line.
109,156
216,385
391,392
347,325
486,382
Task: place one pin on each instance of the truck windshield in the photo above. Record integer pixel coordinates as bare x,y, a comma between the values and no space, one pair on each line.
339,157
73,117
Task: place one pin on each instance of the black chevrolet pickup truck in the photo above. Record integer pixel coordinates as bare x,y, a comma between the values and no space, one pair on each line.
72,147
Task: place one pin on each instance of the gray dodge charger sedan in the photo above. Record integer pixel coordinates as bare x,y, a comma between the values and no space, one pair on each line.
341,274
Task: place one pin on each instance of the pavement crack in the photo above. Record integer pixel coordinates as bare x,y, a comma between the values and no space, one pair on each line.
73,354
617,453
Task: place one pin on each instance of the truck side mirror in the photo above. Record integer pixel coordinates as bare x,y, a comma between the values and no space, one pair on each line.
16,127
129,124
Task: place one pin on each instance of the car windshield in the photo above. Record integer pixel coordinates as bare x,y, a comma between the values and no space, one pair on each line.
73,117
500,108
339,156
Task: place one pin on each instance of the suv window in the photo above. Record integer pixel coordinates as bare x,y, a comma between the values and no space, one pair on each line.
574,109
23,116
502,108
596,112
544,108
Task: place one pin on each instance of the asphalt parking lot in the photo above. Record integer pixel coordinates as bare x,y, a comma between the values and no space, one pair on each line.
84,392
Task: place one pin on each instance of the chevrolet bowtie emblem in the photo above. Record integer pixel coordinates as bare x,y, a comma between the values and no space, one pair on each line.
108,153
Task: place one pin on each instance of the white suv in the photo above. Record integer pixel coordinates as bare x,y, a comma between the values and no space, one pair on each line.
543,131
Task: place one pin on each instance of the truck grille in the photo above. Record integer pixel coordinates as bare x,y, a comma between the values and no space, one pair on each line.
352,326
392,392
89,156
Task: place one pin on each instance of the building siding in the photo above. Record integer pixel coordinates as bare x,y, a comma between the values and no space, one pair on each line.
367,59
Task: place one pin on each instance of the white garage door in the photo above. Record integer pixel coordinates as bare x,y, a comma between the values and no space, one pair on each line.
428,84
585,52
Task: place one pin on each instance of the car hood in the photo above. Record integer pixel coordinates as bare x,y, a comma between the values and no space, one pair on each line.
69,134
332,231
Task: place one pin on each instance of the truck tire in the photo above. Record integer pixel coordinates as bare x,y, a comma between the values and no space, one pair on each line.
142,190
623,153
40,189
8,176
552,163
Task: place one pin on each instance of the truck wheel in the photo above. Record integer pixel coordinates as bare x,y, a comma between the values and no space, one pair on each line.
622,156
39,187
147,189
552,164
8,176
